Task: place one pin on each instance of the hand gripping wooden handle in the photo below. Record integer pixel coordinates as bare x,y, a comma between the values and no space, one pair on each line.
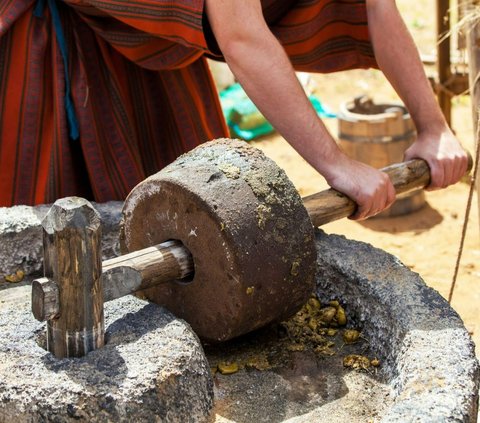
329,205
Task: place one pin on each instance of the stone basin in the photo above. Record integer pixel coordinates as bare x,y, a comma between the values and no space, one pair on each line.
428,370
153,367
428,355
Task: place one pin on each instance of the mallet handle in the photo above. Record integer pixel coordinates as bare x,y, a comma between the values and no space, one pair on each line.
330,205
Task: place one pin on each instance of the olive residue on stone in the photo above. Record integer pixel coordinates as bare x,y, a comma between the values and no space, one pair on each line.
263,214
356,361
295,266
230,171
316,329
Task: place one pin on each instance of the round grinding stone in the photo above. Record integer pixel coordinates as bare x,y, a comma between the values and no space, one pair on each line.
250,236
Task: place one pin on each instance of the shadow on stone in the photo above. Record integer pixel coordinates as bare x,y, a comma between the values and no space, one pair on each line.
292,383
106,367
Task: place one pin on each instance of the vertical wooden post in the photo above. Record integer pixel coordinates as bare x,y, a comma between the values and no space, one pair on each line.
443,57
473,51
72,242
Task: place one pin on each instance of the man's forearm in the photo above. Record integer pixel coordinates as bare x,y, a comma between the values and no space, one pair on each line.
270,81
264,70
262,67
398,58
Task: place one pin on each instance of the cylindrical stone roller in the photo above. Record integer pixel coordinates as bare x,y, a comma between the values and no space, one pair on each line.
245,225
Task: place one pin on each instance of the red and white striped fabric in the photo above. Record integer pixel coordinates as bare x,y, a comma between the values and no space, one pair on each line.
140,85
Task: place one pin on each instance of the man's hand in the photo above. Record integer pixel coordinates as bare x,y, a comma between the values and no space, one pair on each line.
371,189
445,156
401,64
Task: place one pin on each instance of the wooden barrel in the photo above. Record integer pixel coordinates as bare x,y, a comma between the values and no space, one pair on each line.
378,135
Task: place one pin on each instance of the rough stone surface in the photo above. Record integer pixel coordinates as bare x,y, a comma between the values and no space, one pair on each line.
21,235
427,353
152,369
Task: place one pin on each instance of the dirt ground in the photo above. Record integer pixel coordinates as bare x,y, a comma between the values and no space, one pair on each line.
427,241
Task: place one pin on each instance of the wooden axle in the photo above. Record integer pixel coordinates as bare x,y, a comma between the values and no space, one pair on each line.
172,261
121,276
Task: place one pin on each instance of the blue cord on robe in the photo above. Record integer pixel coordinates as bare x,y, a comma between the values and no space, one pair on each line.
72,121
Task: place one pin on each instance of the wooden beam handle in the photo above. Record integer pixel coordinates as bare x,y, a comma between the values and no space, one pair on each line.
171,260
330,205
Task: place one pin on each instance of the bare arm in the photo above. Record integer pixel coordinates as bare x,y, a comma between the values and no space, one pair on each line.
265,72
399,60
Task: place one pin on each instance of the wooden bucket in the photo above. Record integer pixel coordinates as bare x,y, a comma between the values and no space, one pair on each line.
378,135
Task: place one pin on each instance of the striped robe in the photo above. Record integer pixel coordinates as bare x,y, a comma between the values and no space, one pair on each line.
137,77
